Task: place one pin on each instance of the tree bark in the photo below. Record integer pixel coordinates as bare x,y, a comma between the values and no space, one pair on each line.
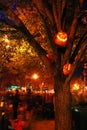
63,116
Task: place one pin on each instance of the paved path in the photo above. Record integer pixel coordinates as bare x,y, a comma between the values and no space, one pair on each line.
43,125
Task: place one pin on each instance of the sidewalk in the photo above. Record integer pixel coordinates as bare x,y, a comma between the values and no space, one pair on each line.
43,125
40,125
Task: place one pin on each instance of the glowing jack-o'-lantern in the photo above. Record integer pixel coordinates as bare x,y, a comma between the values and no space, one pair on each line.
50,56
61,39
67,68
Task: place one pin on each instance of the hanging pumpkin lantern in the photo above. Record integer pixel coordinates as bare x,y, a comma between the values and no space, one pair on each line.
50,56
67,68
61,39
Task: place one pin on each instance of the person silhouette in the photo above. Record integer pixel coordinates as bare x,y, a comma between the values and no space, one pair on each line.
5,123
15,102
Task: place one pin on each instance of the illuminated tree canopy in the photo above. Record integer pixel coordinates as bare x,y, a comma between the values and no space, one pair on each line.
17,56
18,48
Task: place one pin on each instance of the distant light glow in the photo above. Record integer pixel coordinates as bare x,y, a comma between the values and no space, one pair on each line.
23,88
7,46
14,87
1,104
35,76
76,86
51,91
6,39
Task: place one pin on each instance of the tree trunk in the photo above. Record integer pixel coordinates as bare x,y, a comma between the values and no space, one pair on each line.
63,118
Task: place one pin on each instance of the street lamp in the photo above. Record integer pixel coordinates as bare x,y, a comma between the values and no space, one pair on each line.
35,76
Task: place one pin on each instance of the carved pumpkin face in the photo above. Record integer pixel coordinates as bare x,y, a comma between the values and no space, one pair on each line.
61,39
67,68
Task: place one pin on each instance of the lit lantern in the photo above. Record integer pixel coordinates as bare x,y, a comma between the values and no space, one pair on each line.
50,56
67,68
61,39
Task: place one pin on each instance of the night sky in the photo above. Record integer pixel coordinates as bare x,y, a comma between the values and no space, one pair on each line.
79,71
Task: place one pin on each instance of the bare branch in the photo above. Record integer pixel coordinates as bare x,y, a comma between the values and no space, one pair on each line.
71,34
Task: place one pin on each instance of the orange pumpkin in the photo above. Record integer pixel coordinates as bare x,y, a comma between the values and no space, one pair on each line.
50,56
67,68
61,39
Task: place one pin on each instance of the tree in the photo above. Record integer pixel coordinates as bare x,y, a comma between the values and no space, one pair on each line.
16,57
54,16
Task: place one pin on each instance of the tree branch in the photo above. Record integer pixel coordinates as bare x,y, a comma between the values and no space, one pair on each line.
83,49
77,48
71,34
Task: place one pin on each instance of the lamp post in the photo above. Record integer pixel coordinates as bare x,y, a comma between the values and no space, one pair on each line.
35,77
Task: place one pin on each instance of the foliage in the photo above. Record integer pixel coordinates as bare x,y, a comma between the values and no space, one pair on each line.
16,55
